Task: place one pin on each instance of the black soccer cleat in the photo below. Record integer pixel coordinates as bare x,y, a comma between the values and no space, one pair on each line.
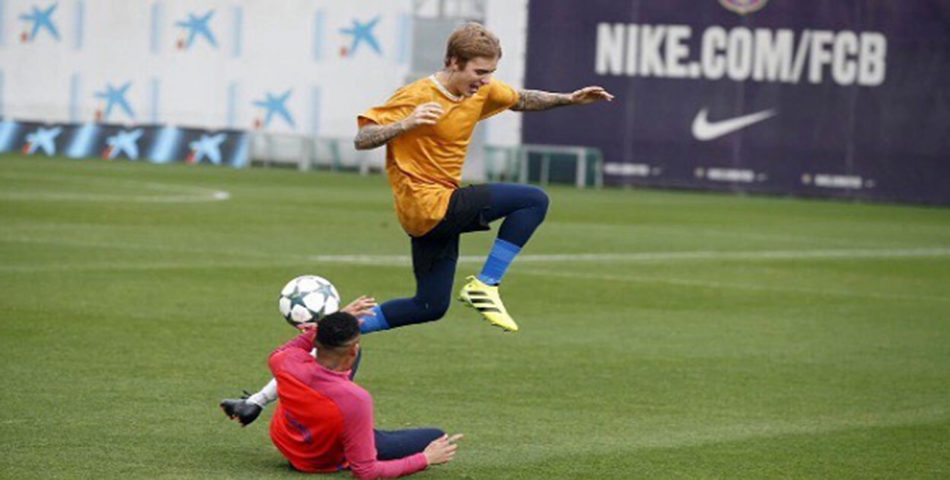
241,409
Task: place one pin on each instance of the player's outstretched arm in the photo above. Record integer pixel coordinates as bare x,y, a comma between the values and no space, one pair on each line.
537,100
374,135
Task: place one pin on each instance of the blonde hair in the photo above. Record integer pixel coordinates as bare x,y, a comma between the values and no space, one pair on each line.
469,41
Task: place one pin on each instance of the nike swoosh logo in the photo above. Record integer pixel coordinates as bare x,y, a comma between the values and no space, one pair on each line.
704,130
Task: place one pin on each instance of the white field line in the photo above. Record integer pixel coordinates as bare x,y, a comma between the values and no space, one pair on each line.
208,196
760,287
816,427
611,440
54,238
666,257
163,193
669,257
146,267
656,257
536,261
647,257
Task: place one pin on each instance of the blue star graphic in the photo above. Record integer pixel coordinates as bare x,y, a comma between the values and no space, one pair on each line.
208,146
198,26
116,96
125,142
363,32
43,138
42,19
276,104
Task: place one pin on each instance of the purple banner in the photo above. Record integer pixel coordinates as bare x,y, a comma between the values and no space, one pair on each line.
843,98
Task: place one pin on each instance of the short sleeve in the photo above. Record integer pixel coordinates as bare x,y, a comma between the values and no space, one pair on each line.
501,97
398,107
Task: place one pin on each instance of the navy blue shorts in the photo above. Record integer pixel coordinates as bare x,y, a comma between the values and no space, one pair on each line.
466,213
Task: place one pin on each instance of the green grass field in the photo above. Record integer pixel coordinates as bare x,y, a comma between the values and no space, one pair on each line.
663,335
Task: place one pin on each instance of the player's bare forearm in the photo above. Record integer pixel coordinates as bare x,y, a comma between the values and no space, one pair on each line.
537,100
374,136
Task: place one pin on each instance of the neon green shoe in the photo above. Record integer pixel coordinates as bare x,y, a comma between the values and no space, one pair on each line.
485,299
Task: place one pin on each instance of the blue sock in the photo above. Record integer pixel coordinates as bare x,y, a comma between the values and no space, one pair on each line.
374,324
500,258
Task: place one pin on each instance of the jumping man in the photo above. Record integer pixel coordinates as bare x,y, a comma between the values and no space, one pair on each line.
426,127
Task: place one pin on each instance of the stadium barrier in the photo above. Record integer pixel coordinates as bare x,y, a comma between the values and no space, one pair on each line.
542,164
152,143
306,153
545,164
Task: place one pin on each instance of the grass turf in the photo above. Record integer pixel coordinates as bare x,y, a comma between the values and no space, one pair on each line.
705,336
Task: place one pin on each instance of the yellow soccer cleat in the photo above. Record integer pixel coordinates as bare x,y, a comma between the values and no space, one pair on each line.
485,299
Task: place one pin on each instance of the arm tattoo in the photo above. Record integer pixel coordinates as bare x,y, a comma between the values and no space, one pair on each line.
373,136
535,100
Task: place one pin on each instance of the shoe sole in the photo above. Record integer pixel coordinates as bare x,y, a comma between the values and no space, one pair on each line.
232,417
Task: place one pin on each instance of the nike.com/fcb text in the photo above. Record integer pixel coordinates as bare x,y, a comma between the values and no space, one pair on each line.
740,54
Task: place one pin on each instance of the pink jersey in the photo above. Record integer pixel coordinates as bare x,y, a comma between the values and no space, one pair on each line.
324,421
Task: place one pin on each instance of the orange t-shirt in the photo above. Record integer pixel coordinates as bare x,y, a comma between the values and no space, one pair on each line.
425,165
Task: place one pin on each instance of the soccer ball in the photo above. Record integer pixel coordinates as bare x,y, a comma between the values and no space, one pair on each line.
307,299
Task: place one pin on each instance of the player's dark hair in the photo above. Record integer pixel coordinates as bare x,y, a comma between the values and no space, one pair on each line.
336,330
471,40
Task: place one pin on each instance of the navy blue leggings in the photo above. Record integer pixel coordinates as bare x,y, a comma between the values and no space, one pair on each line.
523,208
393,444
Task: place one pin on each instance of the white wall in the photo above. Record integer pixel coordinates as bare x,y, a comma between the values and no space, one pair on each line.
260,48
294,46
509,20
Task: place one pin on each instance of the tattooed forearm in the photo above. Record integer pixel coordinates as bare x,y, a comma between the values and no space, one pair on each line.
535,100
373,136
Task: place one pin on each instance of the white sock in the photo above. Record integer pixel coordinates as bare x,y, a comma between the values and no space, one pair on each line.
267,395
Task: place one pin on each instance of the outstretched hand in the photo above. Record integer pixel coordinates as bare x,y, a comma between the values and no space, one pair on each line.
361,307
442,449
588,95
